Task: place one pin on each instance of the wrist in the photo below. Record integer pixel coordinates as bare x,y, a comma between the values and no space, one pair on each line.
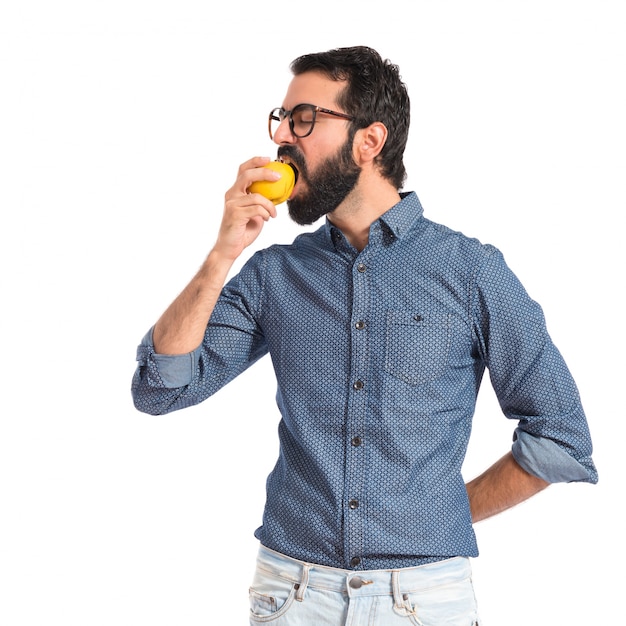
217,265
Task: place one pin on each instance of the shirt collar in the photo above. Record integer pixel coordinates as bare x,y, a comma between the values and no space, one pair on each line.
401,217
394,223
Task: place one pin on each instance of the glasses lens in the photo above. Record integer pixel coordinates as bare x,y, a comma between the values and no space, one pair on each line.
276,117
303,118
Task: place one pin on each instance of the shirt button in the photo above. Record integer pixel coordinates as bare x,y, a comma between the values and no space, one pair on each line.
353,504
361,267
360,325
358,385
356,441
355,561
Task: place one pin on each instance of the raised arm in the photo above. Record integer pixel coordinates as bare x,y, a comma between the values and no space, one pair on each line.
181,327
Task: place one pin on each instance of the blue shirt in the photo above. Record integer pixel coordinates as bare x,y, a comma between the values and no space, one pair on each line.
379,356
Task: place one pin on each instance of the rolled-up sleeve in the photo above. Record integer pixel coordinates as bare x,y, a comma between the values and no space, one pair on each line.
170,370
160,379
531,379
545,459
232,342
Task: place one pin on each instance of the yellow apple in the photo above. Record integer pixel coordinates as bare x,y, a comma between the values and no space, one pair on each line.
276,190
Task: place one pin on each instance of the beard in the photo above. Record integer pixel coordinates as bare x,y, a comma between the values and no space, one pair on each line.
327,187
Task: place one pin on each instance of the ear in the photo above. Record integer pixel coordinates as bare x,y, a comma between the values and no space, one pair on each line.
368,142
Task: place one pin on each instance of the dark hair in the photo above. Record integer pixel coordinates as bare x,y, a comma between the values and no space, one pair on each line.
374,93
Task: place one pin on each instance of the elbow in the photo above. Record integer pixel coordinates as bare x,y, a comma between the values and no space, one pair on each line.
150,401
150,409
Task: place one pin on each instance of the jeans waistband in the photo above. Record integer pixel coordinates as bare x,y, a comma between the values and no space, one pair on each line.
365,582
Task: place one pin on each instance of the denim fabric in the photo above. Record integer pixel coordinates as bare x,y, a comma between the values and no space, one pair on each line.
379,356
287,592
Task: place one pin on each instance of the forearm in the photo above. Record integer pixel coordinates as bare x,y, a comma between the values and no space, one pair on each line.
182,326
501,487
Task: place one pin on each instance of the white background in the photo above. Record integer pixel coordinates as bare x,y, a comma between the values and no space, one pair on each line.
122,123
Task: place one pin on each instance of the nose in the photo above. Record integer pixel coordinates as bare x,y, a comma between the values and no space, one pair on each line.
283,134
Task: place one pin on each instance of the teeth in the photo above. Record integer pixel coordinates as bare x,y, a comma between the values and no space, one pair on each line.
287,161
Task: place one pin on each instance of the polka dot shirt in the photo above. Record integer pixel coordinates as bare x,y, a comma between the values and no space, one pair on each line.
379,356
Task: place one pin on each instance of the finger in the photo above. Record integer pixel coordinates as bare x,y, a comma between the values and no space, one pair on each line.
255,170
262,201
247,206
258,161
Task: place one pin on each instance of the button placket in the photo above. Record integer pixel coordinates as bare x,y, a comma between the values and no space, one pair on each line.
356,415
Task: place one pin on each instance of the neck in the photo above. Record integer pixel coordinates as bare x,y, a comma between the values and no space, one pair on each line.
363,206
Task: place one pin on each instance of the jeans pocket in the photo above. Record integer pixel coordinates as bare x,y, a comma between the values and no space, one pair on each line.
269,602
453,604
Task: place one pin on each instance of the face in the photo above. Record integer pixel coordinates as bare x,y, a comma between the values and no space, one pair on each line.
327,172
324,189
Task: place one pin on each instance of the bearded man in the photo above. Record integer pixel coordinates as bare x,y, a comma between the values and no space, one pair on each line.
380,325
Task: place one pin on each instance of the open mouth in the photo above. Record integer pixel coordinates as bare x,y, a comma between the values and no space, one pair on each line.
287,161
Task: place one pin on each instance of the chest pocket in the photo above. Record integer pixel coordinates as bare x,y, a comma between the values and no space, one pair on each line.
417,345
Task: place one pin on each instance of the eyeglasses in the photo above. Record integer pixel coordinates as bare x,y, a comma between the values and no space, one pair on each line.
301,119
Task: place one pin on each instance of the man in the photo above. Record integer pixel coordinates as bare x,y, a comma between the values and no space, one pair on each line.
380,325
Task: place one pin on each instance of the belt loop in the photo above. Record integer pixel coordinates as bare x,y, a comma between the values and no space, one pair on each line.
303,583
395,585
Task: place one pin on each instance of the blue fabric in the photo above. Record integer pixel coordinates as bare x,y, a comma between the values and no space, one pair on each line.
379,356
289,592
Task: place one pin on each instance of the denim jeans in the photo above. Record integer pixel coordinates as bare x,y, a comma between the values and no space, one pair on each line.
288,592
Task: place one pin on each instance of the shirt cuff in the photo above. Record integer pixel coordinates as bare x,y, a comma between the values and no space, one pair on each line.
545,459
174,370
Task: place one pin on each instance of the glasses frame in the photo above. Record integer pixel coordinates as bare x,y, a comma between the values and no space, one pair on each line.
275,116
